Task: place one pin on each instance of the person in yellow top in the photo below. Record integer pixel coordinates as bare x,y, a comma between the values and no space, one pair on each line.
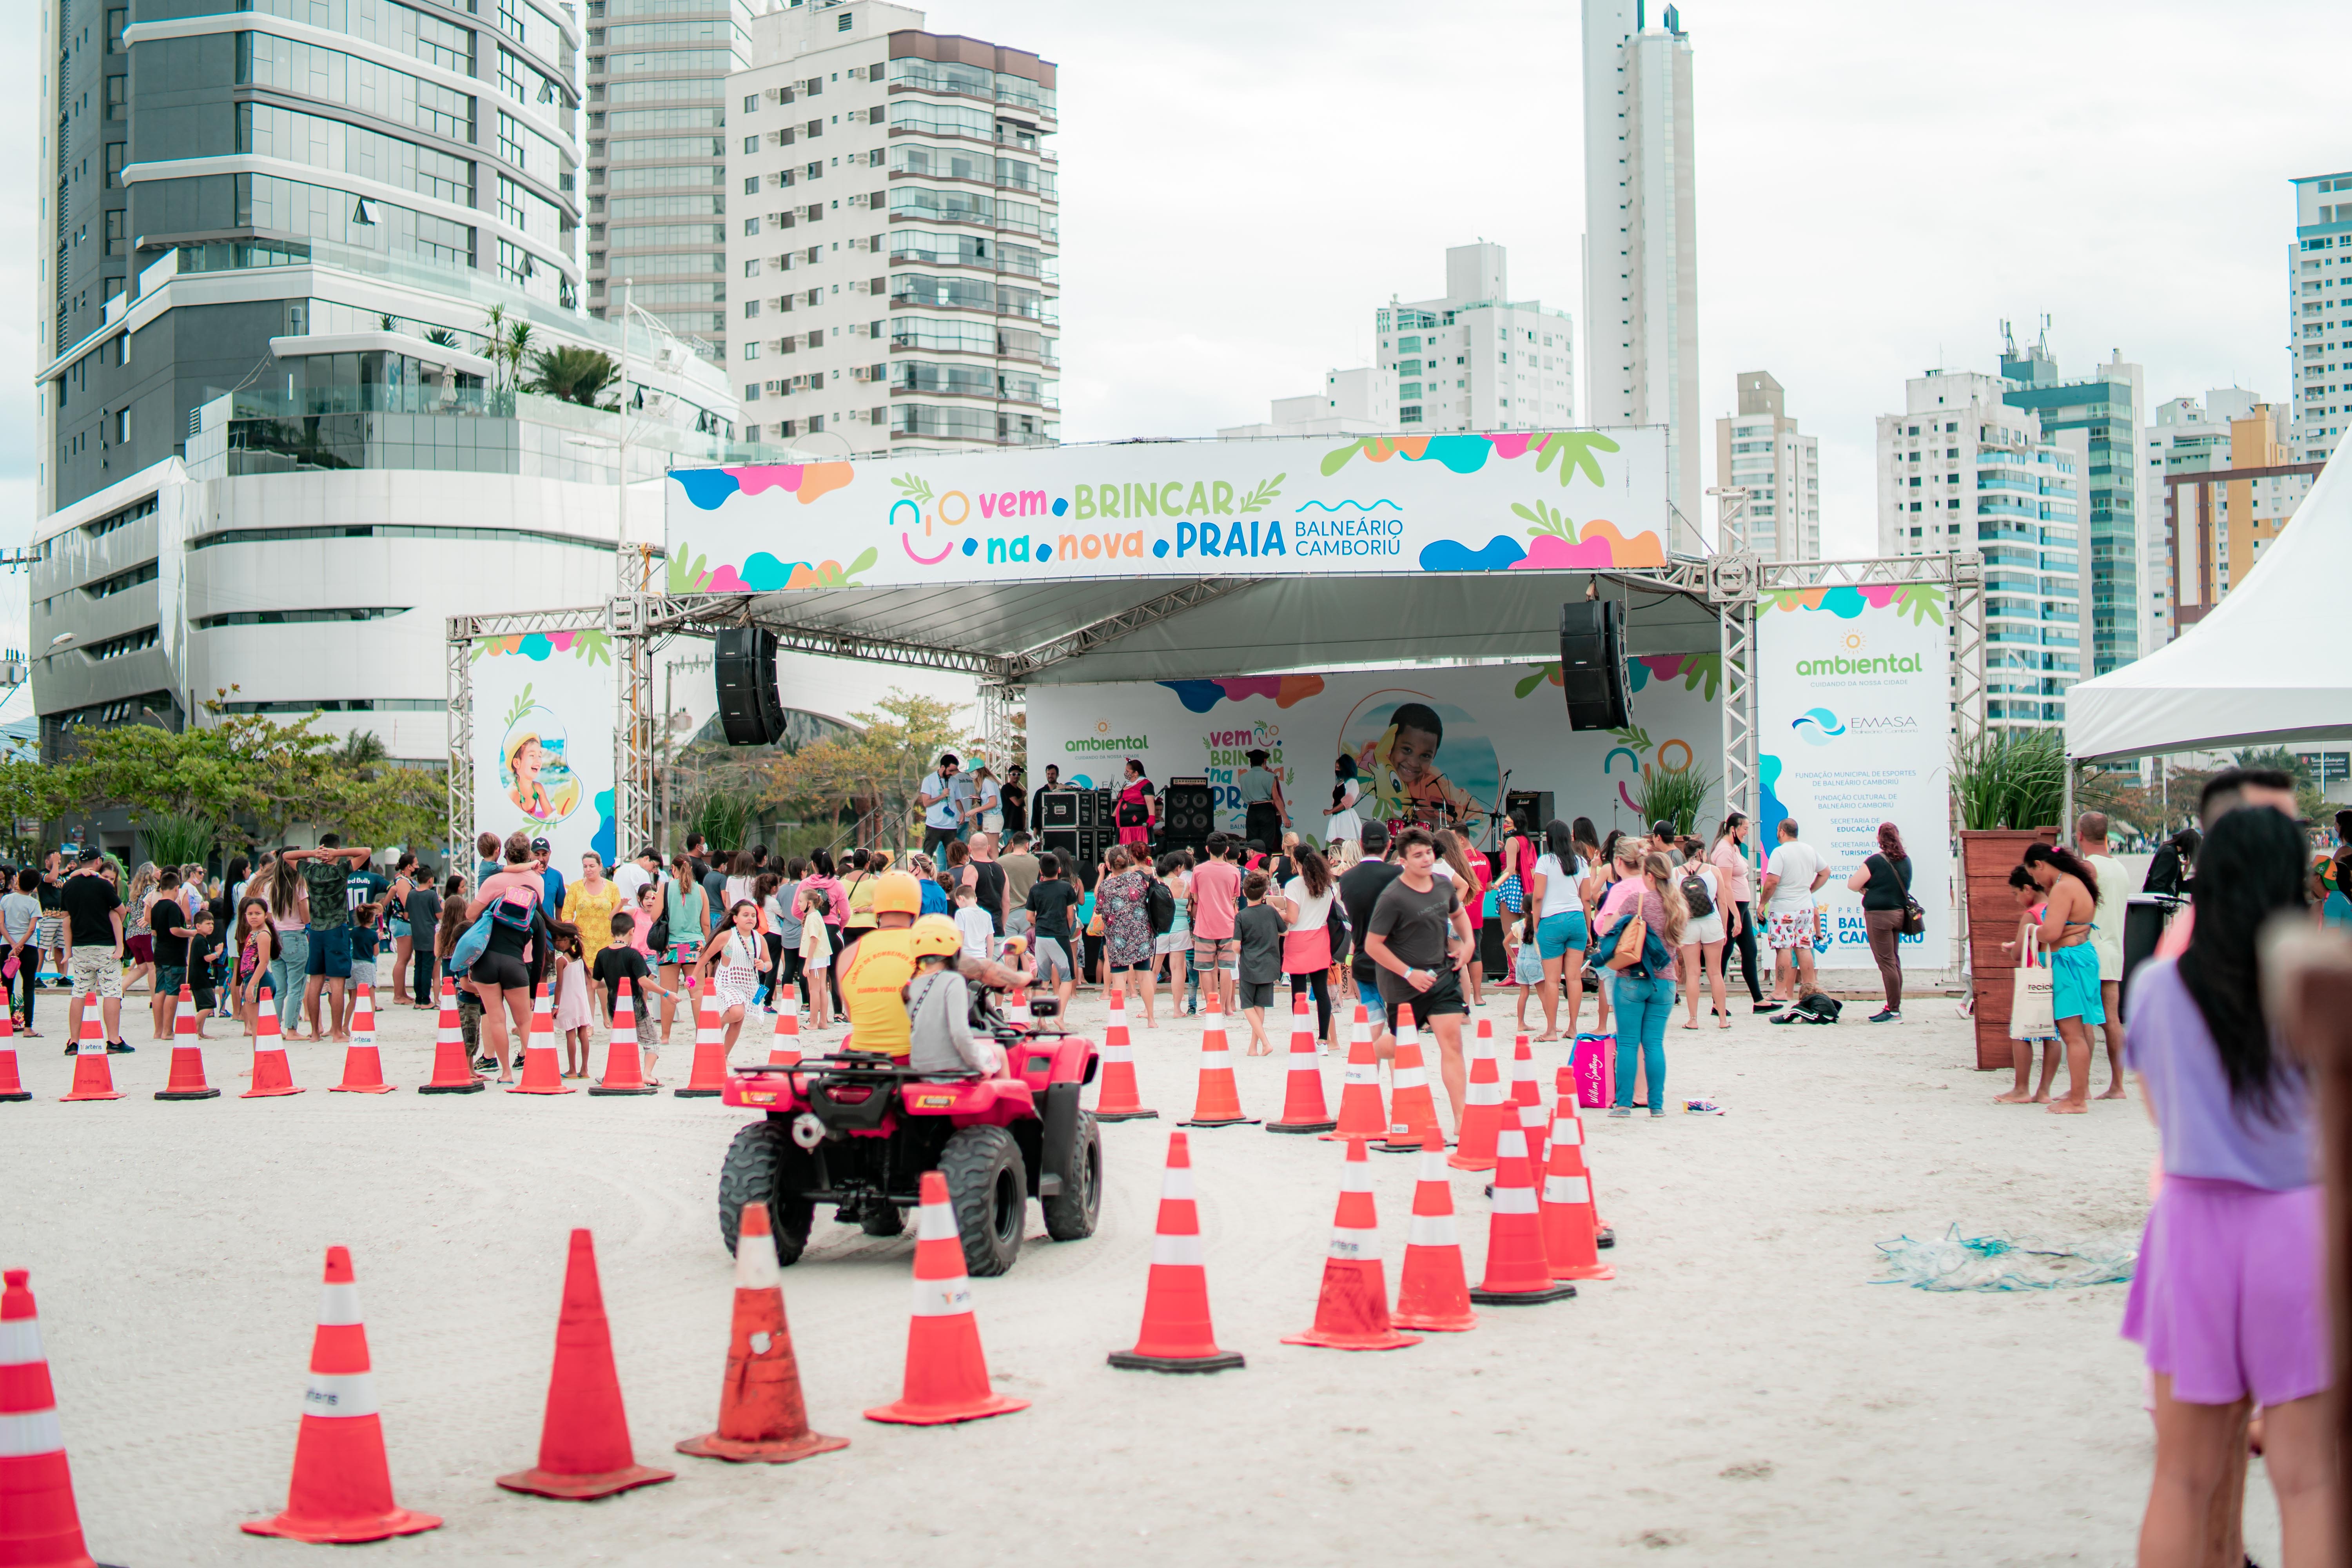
589,903
875,968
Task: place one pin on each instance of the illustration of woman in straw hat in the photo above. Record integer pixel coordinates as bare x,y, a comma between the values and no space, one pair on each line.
525,758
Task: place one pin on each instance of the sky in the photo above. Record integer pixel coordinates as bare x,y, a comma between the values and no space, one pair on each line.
1879,186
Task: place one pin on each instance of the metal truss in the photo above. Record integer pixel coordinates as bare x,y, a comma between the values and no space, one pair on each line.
1100,634
457,668
633,732
699,615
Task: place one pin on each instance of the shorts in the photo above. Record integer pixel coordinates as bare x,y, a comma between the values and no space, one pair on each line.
1556,934
1368,996
1052,960
682,954
395,929
140,949
169,978
2074,984
1250,994
1443,996
97,969
331,953
1217,952
1168,941
2229,1298
363,974
505,971
1529,970
1018,922
1787,930
1702,930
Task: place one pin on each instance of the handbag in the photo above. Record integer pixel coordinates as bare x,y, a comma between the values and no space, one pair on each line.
1626,942
2031,1012
470,945
1915,919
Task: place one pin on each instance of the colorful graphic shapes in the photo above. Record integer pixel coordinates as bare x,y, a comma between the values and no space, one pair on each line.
706,488
906,542
1817,726
807,480
1664,665
1768,775
1500,554
601,841
1845,601
1602,545
1200,696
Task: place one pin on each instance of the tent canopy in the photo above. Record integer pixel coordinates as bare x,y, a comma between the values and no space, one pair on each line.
2262,666
1110,629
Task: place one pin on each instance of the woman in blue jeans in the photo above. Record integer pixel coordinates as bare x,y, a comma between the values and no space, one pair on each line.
1644,886
289,961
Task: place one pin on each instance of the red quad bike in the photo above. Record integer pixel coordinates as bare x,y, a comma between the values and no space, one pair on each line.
859,1131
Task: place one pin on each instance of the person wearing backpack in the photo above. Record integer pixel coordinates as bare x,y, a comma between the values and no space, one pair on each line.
1702,955
1883,880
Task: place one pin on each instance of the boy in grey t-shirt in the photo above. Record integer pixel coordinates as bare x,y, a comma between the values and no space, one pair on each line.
1259,928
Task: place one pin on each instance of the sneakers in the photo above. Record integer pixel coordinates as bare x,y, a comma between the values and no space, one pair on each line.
1702,1108
1616,1112
120,1047
1886,1016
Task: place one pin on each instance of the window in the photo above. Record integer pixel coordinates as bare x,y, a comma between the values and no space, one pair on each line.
844,25
114,23
1409,414
750,350
114,150
121,428
751,267
751,106
114,226
751,225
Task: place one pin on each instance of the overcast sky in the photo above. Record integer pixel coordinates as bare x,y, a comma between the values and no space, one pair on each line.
1879,186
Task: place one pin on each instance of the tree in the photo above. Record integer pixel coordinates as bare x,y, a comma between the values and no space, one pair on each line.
575,375
876,771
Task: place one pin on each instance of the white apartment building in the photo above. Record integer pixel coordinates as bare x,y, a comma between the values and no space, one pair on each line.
895,250
1640,234
1361,402
2319,314
2190,437
1760,450
1962,469
1476,359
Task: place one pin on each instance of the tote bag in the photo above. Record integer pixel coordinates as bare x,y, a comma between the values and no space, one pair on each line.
2031,1015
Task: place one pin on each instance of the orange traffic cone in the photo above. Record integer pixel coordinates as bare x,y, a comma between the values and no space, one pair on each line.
543,1073
93,1076
453,1071
1362,1112
11,1086
363,1065
784,1044
1352,1312
1176,1333
1526,1094
270,1075
1516,1274
1302,1098
946,1376
583,1443
1016,1010
39,1526
1218,1102
1116,1100
709,1078
187,1055
1433,1291
1569,1229
341,1490
1482,1106
625,1071
762,1415
1412,1114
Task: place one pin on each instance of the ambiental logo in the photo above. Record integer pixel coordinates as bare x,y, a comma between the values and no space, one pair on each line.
1817,726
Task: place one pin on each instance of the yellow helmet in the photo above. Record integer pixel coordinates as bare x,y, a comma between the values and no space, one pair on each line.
897,893
935,934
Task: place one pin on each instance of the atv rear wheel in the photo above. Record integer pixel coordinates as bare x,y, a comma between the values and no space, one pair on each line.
765,1165
1070,1214
988,1190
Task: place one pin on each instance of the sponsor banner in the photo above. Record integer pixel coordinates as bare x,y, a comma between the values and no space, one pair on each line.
1289,507
1854,723
544,741
1423,741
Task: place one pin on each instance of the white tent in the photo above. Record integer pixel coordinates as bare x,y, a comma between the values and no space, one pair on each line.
2269,664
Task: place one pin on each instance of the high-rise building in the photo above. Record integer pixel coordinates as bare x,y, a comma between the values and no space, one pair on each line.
896,251
1477,359
2319,314
1640,234
2108,408
1760,450
2189,437
1961,467
658,134
283,418
2223,501
1361,402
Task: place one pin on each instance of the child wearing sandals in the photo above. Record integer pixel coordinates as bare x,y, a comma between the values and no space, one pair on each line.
2028,947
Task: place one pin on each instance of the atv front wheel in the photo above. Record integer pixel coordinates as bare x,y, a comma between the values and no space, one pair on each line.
1070,1214
990,1198
765,1165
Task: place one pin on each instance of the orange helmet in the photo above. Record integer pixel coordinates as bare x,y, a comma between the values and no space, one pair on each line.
936,934
897,893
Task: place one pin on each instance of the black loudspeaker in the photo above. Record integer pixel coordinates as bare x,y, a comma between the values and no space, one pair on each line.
1534,804
1089,808
1093,843
1062,841
743,661
1593,664
1059,808
1187,808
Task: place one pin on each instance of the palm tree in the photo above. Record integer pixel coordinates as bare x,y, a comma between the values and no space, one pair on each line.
575,375
442,336
361,753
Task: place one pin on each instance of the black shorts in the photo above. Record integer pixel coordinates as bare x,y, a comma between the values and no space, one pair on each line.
1443,996
506,970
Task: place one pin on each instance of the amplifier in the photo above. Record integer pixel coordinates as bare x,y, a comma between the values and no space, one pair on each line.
1534,804
1187,811
1062,841
1058,808
1095,842
1089,808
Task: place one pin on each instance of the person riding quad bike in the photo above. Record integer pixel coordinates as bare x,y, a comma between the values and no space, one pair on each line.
939,1006
875,970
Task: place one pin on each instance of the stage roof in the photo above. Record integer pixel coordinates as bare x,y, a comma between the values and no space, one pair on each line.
1108,629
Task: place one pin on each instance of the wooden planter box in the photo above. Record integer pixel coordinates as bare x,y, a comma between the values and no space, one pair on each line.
1987,857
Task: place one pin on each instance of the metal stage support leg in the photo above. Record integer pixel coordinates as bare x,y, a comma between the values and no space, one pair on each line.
458,667
633,725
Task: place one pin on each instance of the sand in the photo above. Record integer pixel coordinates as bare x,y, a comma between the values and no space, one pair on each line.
1741,1394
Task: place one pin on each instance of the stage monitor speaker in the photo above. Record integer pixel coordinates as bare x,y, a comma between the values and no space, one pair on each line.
1593,664
1187,811
1057,808
743,662
1097,842
1534,803
1087,805
1062,841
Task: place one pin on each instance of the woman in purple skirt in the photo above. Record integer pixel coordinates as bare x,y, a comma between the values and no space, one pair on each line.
2229,1300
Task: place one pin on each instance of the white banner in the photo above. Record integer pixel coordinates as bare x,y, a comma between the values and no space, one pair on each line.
1306,506
1418,737
1854,724
543,741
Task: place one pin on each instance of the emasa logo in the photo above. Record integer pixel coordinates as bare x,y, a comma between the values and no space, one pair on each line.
1817,726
